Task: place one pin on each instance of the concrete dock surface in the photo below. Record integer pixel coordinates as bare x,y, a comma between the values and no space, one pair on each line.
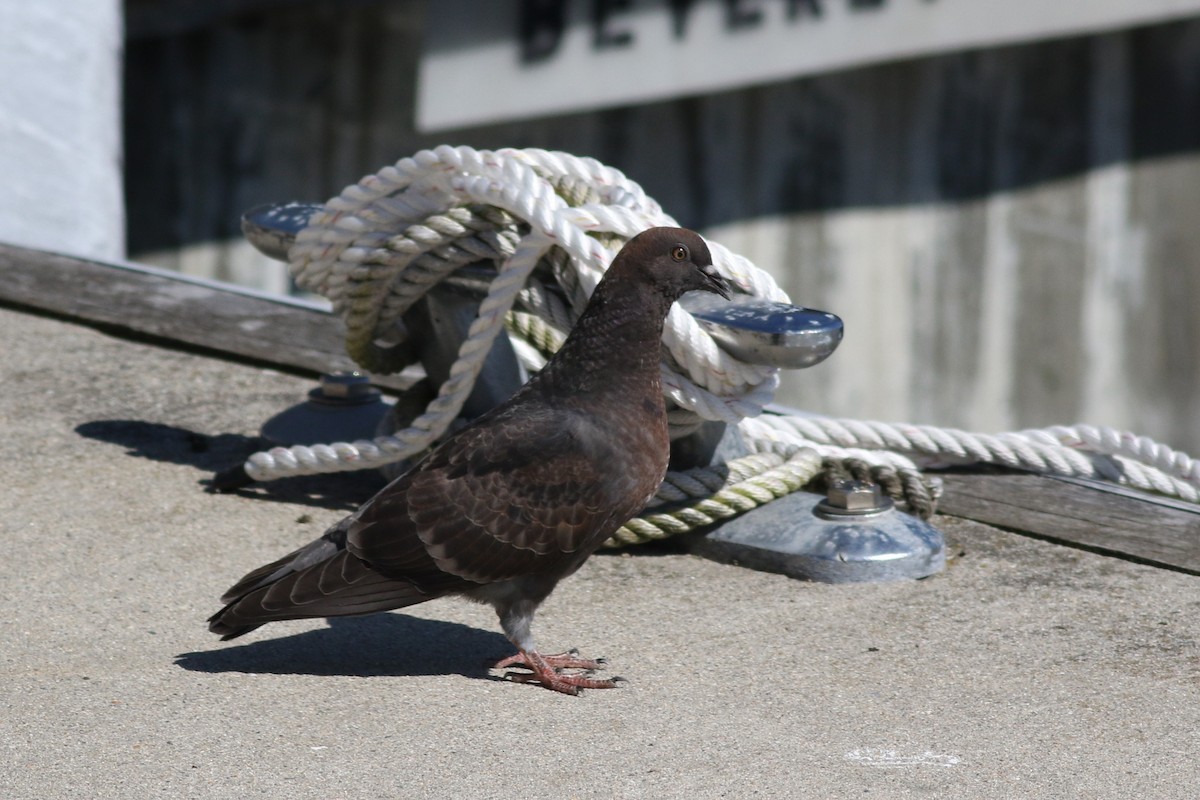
1026,669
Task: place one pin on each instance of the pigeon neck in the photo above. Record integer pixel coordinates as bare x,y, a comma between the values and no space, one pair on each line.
618,340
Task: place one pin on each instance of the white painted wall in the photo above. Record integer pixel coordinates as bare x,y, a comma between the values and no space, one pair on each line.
60,126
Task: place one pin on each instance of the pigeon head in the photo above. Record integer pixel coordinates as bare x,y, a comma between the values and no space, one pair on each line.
672,261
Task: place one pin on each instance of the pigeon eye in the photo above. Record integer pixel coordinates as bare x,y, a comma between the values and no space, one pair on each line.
680,252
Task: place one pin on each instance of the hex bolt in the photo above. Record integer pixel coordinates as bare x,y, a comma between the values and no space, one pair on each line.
353,387
853,499
343,408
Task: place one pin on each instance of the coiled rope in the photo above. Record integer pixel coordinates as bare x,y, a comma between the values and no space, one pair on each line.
547,217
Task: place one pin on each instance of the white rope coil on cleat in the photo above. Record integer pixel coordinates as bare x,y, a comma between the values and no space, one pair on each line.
382,243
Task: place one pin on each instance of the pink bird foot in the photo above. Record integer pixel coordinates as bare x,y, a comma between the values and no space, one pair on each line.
547,671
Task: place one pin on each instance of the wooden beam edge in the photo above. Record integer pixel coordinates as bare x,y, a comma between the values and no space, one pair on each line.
155,306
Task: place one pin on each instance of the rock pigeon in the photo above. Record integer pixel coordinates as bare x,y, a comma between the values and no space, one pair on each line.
517,500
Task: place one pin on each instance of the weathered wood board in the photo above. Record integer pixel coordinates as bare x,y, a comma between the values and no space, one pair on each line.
1087,514
144,304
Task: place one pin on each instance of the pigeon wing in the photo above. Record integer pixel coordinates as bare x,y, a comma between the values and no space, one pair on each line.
522,490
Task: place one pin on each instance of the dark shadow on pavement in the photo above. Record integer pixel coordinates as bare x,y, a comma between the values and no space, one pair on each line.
174,445
377,645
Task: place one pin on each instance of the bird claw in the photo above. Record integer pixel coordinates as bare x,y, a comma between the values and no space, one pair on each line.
559,661
547,670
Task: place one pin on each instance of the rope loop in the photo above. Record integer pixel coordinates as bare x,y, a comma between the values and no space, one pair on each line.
382,243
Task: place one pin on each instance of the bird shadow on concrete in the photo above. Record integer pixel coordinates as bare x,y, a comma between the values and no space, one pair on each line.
344,491
372,646
212,453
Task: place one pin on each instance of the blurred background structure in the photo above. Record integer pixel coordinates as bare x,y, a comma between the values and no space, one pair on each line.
60,126
999,197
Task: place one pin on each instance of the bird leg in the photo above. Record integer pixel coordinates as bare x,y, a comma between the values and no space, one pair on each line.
547,671
568,660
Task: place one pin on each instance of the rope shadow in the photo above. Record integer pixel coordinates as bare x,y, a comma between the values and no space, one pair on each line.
174,445
378,645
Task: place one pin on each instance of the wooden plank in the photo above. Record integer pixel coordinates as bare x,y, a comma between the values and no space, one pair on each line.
148,304
1087,514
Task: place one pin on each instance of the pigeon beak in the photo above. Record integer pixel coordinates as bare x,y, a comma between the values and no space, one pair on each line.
714,282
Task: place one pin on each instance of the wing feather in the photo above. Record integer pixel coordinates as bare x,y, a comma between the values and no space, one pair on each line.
519,494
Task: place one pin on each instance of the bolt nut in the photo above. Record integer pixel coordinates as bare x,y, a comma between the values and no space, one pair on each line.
340,388
345,384
855,495
854,499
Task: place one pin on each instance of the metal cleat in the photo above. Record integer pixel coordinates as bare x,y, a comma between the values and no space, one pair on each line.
750,329
273,227
853,534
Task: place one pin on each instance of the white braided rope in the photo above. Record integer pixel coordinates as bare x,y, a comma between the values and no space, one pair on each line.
383,242
1125,445
1079,451
353,253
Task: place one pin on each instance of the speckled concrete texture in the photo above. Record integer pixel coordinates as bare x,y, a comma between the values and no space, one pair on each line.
1025,670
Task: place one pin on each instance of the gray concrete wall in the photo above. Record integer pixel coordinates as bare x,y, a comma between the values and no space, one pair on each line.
1009,234
60,135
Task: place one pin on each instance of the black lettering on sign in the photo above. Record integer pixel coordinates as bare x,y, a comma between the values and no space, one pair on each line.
542,23
742,14
604,34
797,7
679,14
540,26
